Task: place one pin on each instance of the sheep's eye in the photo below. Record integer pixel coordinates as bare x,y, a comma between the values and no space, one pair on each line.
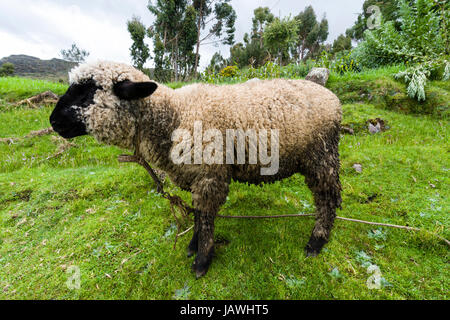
82,94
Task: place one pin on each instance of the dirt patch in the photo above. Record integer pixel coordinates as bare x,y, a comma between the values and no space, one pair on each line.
24,195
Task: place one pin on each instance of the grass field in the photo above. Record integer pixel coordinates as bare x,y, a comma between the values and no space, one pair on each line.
84,209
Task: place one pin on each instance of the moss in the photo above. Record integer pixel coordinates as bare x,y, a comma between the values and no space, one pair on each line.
387,93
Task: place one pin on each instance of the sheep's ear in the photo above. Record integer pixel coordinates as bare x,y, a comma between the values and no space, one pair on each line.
129,90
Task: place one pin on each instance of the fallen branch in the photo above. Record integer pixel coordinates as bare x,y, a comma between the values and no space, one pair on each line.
32,134
46,97
66,145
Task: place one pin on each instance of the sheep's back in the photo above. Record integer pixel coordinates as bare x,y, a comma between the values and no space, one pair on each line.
299,109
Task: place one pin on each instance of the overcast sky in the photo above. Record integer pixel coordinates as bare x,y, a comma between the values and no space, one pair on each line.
42,28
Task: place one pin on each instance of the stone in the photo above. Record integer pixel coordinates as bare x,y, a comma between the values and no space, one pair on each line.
319,76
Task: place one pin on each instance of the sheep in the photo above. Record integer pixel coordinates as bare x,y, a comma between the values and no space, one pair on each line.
119,105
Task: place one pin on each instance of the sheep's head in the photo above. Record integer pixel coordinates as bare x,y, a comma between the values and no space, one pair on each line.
102,101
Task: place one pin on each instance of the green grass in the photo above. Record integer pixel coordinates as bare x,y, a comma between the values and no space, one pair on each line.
15,88
85,209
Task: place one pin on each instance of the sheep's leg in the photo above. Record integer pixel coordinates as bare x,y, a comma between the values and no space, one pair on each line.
193,245
207,195
322,176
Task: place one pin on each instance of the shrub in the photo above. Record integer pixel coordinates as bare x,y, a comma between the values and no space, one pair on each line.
421,42
7,69
229,72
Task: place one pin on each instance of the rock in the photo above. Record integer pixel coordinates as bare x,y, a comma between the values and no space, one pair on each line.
318,75
374,129
347,130
253,80
377,125
357,167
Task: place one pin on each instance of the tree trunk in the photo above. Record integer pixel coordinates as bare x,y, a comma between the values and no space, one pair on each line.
198,37
261,37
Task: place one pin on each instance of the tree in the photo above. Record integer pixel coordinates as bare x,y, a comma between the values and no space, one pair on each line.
252,51
262,17
7,69
139,50
342,43
217,63
174,34
311,33
74,54
223,19
280,35
388,11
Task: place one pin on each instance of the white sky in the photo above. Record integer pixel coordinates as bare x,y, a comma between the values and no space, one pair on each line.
41,28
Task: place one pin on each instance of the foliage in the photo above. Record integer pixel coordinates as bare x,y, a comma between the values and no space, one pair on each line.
216,64
269,70
262,17
388,10
279,36
419,42
342,63
174,34
6,69
310,34
74,54
139,50
224,18
379,88
342,43
229,72
253,51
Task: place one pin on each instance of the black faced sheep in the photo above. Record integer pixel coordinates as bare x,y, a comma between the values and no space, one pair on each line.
115,103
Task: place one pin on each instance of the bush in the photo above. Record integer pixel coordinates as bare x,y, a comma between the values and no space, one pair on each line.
268,71
421,43
343,62
229,72
7,69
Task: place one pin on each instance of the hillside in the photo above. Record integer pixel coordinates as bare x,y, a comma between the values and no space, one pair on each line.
32,67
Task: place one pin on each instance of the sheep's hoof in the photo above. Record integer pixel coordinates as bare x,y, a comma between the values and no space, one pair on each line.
201,264
199,274
314,246
200,271
190,252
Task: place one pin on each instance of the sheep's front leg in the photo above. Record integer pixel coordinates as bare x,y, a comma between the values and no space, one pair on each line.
207,196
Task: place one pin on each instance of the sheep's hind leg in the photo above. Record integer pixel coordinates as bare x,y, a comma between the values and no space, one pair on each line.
207,195
193,245
322,176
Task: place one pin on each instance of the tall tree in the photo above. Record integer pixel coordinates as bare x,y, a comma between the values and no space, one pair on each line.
253,51
342,43
139,50
174,35
222,17
311,33
74,54
262,17
280,35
